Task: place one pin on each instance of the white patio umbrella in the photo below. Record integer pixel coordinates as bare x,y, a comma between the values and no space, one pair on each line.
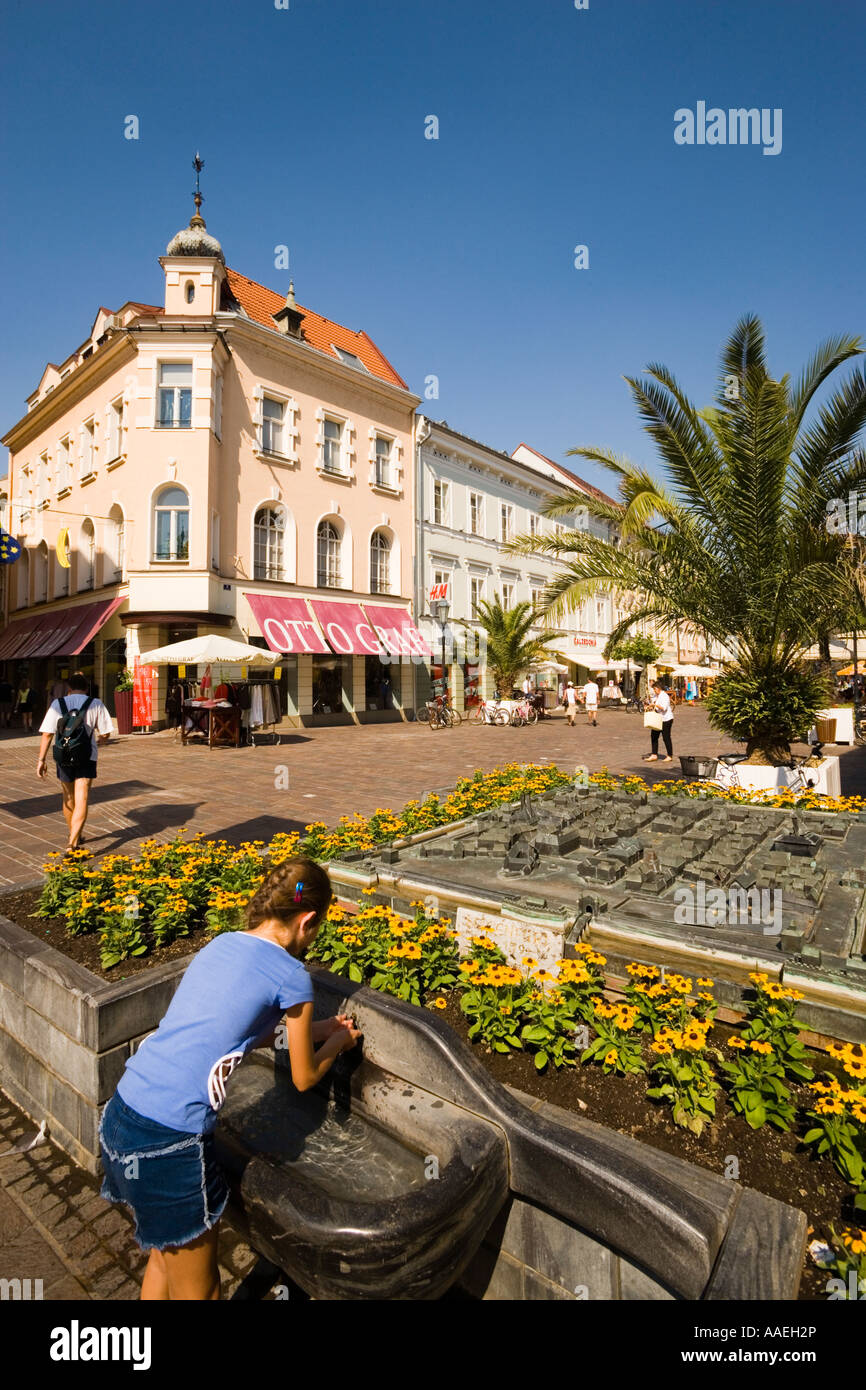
696,671
212,649
613,666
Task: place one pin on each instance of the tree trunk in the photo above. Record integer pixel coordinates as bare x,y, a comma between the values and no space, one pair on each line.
768,750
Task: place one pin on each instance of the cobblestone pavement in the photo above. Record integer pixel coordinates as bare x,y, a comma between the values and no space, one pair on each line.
53,1224
152,785
55,1227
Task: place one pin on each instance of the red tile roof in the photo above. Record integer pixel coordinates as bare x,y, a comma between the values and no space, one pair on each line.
572,477
260,304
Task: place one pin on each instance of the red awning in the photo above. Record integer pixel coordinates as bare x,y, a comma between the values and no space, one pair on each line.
286,624
398,632
63,632
346,627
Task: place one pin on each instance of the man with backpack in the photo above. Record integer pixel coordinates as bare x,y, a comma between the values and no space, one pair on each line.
78,723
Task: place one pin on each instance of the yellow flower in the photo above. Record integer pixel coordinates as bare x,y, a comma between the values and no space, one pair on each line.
764,1048
440,1003
610,1057
736,1042
829,1105
705,984
854,1240
662,1048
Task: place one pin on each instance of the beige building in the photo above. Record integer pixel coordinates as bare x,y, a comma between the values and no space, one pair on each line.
223,461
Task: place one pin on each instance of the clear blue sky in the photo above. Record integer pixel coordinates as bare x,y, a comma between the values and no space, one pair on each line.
456,255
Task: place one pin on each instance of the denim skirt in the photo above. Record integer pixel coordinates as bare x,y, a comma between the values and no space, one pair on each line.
170,1180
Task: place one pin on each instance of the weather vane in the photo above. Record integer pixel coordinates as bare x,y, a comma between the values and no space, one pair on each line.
198,197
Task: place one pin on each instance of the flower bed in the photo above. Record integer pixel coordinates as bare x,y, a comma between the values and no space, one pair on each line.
662,1030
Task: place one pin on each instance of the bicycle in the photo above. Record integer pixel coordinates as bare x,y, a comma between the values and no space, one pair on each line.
636,705
524,712
437,714
489,712
727,777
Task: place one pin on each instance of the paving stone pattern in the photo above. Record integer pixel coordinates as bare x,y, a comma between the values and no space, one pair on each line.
54,1226
152,785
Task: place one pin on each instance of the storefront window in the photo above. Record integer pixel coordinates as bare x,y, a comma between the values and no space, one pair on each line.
382,684
332,685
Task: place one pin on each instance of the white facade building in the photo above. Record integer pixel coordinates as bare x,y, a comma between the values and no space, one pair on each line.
472,501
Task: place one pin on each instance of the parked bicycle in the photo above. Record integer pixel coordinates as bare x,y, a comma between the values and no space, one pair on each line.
523,713
805,778
490,712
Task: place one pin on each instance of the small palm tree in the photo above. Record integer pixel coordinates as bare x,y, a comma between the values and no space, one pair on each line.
735,539
511,645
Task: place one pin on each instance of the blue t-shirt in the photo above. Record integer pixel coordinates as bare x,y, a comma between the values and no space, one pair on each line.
237,988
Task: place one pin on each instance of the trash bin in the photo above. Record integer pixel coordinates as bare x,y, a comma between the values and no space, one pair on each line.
826,730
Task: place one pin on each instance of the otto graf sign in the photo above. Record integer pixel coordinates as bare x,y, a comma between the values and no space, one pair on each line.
516,937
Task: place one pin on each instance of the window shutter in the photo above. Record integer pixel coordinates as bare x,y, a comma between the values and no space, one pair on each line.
258,413
320,438
397,461
350,450
80,452
292,431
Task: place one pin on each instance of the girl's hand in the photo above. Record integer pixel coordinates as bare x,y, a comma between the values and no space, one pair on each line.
326,1026
351,1036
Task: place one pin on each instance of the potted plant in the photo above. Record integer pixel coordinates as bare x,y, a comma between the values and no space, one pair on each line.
123,702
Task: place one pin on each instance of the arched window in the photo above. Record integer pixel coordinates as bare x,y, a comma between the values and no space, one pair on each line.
171,524
328,559
40,594
380,563
115,536
86,555
269,531
22,574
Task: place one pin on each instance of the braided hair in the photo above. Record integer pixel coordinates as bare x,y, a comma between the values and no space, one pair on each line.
295,886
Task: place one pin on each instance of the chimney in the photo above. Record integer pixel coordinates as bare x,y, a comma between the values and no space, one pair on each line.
288,319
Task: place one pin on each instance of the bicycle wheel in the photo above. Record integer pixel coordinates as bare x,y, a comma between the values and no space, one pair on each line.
532,715
433,719
501,716
476,715
457,715
422,715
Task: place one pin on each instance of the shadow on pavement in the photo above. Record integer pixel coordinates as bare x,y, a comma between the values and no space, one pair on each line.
50,801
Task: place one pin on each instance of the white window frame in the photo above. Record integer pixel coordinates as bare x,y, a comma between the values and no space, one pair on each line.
89,562
388,480
387,550
87,450
506,522
476,513
218,407
441,501
507,588
271,570
64,465
114,430
534,524
172,558
175,423
477,592
291,434
337,556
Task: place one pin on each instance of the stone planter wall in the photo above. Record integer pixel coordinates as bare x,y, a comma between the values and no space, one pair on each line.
65,1034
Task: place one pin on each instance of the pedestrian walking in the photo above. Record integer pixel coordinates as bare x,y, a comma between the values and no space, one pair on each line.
570,698
7,698
24,703
156,1132
661,706
590,697
78,723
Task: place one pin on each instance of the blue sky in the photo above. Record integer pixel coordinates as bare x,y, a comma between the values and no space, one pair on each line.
456,255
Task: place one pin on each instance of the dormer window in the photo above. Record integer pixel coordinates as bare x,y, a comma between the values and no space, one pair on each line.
190,291
350,358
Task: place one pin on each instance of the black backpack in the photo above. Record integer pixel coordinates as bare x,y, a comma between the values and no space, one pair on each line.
73,745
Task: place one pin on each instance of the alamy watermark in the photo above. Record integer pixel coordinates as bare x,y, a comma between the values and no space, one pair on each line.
846,516
700,906
735,126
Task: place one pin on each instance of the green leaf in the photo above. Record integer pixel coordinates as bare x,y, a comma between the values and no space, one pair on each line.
355,972
541,1060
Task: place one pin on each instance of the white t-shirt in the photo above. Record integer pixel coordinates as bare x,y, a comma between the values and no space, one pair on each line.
663,705
96,717
570,695
590,692
527,686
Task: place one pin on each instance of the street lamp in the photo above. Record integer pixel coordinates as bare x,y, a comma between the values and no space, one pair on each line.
440,608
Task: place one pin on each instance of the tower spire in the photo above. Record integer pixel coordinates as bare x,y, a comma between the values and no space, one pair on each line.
198,196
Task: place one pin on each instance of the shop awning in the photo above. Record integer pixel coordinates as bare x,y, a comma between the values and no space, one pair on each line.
398,632
63,632
346,628
286,624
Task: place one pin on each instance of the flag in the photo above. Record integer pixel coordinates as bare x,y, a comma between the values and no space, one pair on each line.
9,548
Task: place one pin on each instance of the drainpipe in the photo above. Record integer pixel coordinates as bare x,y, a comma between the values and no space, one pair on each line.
423,431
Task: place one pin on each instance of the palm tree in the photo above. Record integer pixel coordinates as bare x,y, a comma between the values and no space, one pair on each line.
735,539
511,645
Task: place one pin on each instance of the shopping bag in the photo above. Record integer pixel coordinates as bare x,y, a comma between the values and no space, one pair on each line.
652,720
